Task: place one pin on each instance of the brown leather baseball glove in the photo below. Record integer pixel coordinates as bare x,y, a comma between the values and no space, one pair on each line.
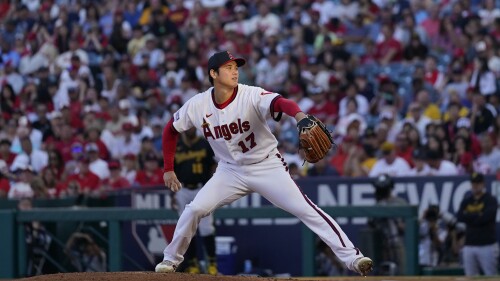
314,138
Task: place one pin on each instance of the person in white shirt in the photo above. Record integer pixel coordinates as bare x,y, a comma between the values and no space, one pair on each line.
265,21
272,72
24,128
390,164
129,167
126,142
21,187
440,166
96,164
420,165
490,155
416,117
362,102
37,159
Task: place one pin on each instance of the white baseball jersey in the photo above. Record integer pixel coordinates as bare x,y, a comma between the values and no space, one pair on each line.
237,133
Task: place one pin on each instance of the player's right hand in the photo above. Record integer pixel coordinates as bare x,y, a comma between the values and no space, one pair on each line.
171,181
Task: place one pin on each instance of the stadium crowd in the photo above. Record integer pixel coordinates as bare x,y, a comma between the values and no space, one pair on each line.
407,87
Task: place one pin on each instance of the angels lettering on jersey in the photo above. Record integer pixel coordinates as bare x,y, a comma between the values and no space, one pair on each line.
237,131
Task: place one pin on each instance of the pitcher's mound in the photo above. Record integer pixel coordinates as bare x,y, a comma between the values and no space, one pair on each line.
141,276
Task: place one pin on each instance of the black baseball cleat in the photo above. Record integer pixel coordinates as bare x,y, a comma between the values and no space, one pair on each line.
363,265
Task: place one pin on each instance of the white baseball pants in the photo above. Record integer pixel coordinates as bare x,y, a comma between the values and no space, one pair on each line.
269,178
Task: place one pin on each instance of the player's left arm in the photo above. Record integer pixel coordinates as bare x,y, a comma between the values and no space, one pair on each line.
289,107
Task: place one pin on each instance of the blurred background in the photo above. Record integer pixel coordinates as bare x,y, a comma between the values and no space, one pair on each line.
409,89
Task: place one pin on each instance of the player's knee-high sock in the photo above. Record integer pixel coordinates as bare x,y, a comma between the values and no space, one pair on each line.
209,242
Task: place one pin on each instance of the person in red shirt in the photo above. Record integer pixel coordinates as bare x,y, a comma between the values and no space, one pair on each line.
152,175
389,50
5,153
404,148
178,14
87,181
4,181
342,153
116,180
63,142
323,108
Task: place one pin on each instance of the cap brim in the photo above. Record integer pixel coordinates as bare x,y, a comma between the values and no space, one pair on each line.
239,61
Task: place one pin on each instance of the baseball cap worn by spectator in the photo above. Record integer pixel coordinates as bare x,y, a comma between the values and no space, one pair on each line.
387,148
91,147
419,154
477,178
114,165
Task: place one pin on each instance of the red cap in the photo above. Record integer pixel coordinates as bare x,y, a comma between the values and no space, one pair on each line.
129,156
114,165
127,126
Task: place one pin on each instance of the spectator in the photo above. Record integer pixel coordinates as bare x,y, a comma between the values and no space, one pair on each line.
389,163
403,148
272,71
322,168
115,181
42,122
439,166
84,253
490,155
430,109
152,175
38,159
482,117
478,211
4,179
24,128
5,153
323,109
420,167
125,143
96,164
415,51
20,187
129,168
85,182
389,49
416,117
361,101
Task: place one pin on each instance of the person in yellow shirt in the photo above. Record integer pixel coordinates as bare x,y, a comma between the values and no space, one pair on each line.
154,5
431,110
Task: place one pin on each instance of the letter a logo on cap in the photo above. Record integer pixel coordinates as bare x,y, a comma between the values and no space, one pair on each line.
230,56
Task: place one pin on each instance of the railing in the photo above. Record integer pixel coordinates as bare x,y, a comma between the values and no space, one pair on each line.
12,222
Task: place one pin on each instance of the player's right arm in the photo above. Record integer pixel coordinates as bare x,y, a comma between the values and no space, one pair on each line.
169,144
180,122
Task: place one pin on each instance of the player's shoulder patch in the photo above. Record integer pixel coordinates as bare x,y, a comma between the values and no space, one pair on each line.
176,115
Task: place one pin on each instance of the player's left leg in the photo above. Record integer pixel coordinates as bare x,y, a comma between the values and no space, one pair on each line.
271,179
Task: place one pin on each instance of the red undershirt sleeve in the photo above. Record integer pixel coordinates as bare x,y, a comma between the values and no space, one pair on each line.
287,106
169,144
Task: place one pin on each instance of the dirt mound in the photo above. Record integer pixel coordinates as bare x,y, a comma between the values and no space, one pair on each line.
142,276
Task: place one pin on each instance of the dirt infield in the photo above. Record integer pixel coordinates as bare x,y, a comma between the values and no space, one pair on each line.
151,276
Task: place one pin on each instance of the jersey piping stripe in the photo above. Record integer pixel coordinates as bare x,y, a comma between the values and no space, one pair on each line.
323,216
316,209
226,103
